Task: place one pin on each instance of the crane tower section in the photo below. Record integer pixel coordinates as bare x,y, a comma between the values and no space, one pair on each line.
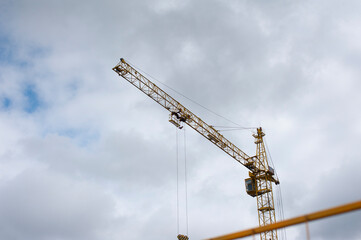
264,193
261,175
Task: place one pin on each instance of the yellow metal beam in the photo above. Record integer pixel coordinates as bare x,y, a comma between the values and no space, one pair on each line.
130,74
258,165
293,221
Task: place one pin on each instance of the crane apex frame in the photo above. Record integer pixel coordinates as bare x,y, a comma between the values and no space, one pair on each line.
261,175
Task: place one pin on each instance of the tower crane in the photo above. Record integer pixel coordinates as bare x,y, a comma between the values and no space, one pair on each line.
261,175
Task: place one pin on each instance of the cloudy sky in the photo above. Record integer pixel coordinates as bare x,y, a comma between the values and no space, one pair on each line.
86,156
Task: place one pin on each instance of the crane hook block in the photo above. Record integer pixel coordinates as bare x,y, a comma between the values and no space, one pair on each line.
175,121
182,237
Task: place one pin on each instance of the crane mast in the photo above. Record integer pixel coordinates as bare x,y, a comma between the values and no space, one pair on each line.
261,176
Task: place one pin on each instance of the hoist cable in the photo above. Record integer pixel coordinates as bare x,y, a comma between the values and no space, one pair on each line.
282,211
185,177
279,200
270,157
228,127
228,130
177,181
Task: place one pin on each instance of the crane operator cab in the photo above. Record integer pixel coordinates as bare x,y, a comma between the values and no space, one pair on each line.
251,186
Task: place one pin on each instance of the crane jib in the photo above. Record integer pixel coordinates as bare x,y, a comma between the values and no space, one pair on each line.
261,175
184,115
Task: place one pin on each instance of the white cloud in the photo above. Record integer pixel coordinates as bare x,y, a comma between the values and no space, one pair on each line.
98,154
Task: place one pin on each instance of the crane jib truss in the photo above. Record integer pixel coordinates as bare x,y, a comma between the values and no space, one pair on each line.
261,175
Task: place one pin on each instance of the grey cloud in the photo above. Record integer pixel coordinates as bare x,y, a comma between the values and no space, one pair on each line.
39,204
291,66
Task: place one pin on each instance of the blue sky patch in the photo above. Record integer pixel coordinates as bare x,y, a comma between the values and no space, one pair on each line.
6,103
83,136
9,52
6,50
32,102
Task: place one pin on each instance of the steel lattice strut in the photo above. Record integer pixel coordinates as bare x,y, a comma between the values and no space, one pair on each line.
259,184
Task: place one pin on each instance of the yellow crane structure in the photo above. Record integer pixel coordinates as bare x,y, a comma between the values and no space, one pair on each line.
261,175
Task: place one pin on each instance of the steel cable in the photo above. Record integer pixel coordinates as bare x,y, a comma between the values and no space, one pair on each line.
150,76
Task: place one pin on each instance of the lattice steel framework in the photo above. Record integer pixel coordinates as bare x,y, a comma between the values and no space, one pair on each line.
264,193
258,165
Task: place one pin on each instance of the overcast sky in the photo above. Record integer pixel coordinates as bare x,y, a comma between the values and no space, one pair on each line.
86,156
